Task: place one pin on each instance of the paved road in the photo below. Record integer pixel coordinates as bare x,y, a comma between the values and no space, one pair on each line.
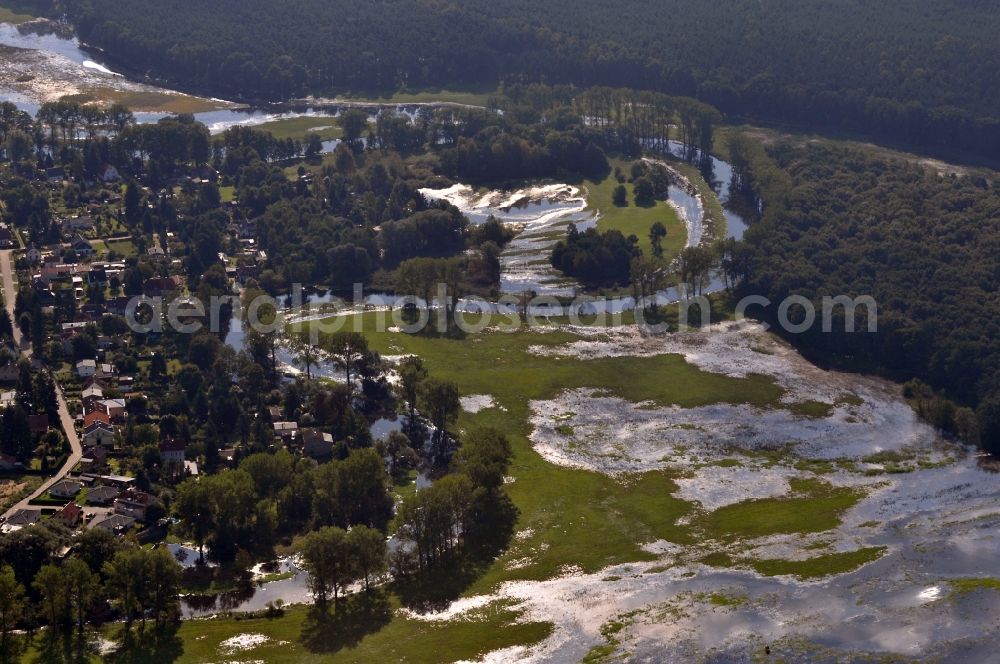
65,419
9,291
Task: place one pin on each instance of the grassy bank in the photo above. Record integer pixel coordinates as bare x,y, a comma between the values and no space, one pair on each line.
469,97
301,128
9,16
632,219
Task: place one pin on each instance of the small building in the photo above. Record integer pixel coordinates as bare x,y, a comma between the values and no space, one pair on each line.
71,515
94,458
317,444
286,431
55,175
133,503
92,395
113,408
102,495
66,489
86,368
118,524
6,237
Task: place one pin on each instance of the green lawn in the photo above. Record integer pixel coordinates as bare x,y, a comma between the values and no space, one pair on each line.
813,507
123,248
8,16
227,193
820,566
632,220
300,128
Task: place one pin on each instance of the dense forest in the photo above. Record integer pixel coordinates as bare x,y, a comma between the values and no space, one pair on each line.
917,71
838,221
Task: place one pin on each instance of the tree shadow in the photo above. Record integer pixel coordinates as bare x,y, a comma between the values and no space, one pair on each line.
60,647
437,587
326,630
145,645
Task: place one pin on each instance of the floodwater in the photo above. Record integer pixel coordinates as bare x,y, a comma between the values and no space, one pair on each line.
932,524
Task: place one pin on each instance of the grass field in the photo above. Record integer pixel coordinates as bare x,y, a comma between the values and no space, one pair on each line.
633,220
301,128
813,507
472,98
8,16
150,100
579,517
820,566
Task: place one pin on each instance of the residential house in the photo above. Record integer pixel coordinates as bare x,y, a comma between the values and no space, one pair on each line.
286,431
117,524
33,254
160,286
94,416
109,174
113,408
172,451
71,515
6,237
116,306
94,458
91,395
82,247
8,399
98,434
316,444
102,495
86,368
55,175
133,503
21,518
66,489
97,276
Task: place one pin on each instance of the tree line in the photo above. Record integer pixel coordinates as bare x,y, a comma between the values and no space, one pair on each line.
841,221
913,71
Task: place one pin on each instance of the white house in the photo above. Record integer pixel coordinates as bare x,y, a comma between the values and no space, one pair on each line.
86,368
65,489
172,451
98,434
